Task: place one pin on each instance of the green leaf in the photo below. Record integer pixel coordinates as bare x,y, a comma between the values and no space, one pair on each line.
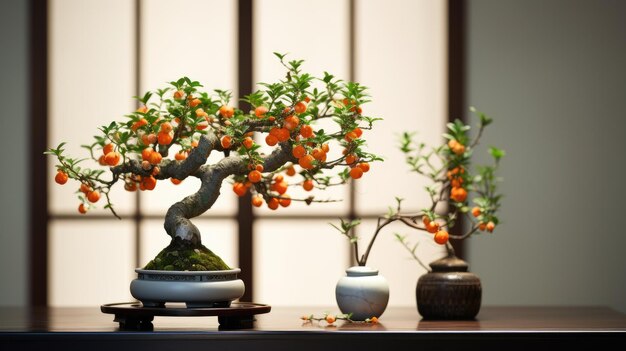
497,153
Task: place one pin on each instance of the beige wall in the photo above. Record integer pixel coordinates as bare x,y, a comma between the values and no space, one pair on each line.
552,75
14,146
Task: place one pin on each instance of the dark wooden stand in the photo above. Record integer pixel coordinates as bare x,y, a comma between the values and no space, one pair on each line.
134,316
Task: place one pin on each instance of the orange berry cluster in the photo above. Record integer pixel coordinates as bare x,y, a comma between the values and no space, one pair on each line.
489,226
441,236
277,185
456,178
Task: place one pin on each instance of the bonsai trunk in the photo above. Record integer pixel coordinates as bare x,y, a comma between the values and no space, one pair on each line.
177,220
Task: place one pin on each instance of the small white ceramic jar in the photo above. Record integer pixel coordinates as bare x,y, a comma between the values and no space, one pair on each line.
362,292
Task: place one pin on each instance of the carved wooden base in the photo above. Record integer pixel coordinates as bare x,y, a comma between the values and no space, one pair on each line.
135,316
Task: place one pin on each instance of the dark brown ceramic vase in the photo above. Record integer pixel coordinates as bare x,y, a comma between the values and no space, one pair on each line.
449,291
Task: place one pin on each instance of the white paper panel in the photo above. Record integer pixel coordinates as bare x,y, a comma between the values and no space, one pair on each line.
401,56
91,83
197,39
298,262
395,263
90,262
279,27
220,236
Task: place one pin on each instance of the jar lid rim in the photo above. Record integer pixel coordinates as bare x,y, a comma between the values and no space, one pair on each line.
361,271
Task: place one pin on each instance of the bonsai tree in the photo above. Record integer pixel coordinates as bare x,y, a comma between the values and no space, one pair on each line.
453,184
176,128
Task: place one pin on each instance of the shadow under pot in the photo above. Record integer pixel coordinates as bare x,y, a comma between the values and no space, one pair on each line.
449,291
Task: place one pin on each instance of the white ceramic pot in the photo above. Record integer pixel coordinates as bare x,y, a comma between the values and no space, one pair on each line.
195,288
362,292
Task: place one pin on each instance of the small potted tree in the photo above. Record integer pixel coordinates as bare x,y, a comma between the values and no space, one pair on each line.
171,137
448,291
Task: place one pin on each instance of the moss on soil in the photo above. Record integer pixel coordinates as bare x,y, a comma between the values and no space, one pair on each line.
183,256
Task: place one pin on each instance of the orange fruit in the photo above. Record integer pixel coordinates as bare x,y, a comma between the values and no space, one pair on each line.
476,211
279,178
306,131
145,153
308,185
285,200
93,196
280,187
142,109
364,166
82,209
482,226
164,138
112,158
195,102
239,189
254,176
300,107
260,111
459,150
307,99
298,151
425,220
202,125
200,113
155,158
441,237
358,132
350,136
330,319
61,177
306,161
149,183
282,135
152,138
456,182
350,159
273,203
101,161
107,148
227,111
452,144
325,147
257,201
85,188
178,94
271,140
166,127
432,227
226,141
291,123
175,181
356,173
181,155
318,154
132,186
458,194
248,142
259,167
156,170
291,171
490,226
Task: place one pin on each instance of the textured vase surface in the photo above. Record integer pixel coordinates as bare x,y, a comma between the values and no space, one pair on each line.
448,292
362,292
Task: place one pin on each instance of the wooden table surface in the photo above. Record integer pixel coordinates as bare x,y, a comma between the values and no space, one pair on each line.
88,328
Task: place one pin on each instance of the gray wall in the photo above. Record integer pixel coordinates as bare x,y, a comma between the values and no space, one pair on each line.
14,146
553,75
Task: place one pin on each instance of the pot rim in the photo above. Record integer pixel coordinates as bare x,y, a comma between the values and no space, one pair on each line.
188,273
